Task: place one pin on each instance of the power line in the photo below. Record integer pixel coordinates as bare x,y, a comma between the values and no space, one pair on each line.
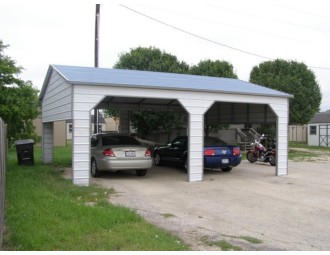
272,19
206,39
195,35
223,23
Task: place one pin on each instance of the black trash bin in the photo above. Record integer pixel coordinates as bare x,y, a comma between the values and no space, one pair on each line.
25,154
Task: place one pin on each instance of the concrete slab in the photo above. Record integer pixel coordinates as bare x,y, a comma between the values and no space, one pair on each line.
290,212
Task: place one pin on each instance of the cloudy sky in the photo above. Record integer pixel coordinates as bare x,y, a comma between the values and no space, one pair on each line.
244,33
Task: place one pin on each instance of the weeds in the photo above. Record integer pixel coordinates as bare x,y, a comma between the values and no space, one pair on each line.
45,212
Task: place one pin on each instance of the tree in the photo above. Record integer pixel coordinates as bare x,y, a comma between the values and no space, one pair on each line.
19,102
152,59
293,78
215,68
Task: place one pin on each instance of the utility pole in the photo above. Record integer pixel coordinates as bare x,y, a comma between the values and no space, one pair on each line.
97,28
96,60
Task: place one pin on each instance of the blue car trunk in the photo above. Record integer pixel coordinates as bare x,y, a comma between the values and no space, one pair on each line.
220,157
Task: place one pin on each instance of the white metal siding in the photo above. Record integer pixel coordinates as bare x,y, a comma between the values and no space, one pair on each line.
196,109
57,103
83,102
47,142
196,103
62,100
281,109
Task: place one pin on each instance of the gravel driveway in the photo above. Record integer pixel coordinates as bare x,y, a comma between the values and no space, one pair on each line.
290,212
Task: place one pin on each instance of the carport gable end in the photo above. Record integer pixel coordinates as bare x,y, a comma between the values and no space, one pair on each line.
70,92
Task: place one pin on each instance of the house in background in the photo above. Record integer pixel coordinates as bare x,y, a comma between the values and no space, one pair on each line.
101,126
319,130
59,131
63,129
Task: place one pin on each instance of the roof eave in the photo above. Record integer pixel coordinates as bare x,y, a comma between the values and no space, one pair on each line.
285,95
44,86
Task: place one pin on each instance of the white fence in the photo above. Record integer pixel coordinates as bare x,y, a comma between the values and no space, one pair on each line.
3,156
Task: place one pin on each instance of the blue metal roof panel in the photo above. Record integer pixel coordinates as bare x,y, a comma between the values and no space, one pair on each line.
160,80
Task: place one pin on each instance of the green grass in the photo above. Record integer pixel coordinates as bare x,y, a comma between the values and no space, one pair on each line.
301,155
167,215
251,239
311,151
223,244
304,145
226,246
45,212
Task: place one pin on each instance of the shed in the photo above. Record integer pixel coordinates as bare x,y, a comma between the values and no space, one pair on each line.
319,130
71,92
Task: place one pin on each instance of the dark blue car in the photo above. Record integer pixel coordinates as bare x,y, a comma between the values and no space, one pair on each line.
217,154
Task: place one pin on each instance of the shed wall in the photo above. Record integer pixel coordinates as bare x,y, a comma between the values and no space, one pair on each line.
322,135
313,139
57,101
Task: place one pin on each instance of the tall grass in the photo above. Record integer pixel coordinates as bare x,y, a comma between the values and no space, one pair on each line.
45,212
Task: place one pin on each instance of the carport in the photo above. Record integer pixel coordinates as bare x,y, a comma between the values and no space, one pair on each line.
71,92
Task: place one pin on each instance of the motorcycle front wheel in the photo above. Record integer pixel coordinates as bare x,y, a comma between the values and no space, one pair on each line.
250,157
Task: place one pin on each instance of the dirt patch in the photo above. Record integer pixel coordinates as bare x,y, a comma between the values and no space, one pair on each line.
320,156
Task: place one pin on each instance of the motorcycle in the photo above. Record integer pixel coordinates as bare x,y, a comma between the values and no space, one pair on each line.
258,152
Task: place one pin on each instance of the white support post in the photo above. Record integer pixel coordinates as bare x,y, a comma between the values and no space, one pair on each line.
281,110
195,147
47,142
282,146
81,149
196,110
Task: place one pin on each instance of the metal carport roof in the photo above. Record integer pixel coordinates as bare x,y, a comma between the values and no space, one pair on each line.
159,80
70,92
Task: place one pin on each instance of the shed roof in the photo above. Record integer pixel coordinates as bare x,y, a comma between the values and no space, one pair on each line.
159,80
320,117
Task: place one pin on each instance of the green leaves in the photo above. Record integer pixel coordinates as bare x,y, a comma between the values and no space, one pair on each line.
215,68
149,121
152,59
19,104
293,78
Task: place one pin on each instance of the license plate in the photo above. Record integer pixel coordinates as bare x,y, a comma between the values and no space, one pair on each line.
130,154
225,161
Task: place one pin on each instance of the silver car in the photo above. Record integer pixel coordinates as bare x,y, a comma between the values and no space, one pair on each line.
112,152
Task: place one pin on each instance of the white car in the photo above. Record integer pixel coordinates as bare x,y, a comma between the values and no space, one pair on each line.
113,152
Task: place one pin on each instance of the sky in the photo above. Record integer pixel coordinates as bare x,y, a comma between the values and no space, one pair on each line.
244,33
